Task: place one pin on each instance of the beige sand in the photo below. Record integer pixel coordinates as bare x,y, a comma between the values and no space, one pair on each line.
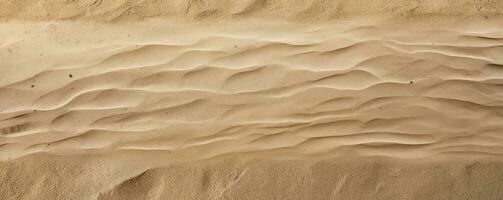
251,99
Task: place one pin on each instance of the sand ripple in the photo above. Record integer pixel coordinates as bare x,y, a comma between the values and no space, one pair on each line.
205,90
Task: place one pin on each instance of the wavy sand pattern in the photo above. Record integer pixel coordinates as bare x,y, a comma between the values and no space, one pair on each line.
318,90
337,102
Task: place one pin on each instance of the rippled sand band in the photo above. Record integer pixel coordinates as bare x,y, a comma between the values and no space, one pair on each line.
206,89
127,105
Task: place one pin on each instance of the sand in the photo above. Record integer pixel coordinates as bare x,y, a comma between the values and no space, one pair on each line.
251,99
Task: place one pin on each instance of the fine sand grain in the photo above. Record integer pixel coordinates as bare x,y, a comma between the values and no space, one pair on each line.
251,99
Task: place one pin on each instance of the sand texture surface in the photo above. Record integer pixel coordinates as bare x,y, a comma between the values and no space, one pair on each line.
251,99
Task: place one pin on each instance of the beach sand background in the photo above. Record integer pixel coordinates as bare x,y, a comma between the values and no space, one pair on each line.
251,99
